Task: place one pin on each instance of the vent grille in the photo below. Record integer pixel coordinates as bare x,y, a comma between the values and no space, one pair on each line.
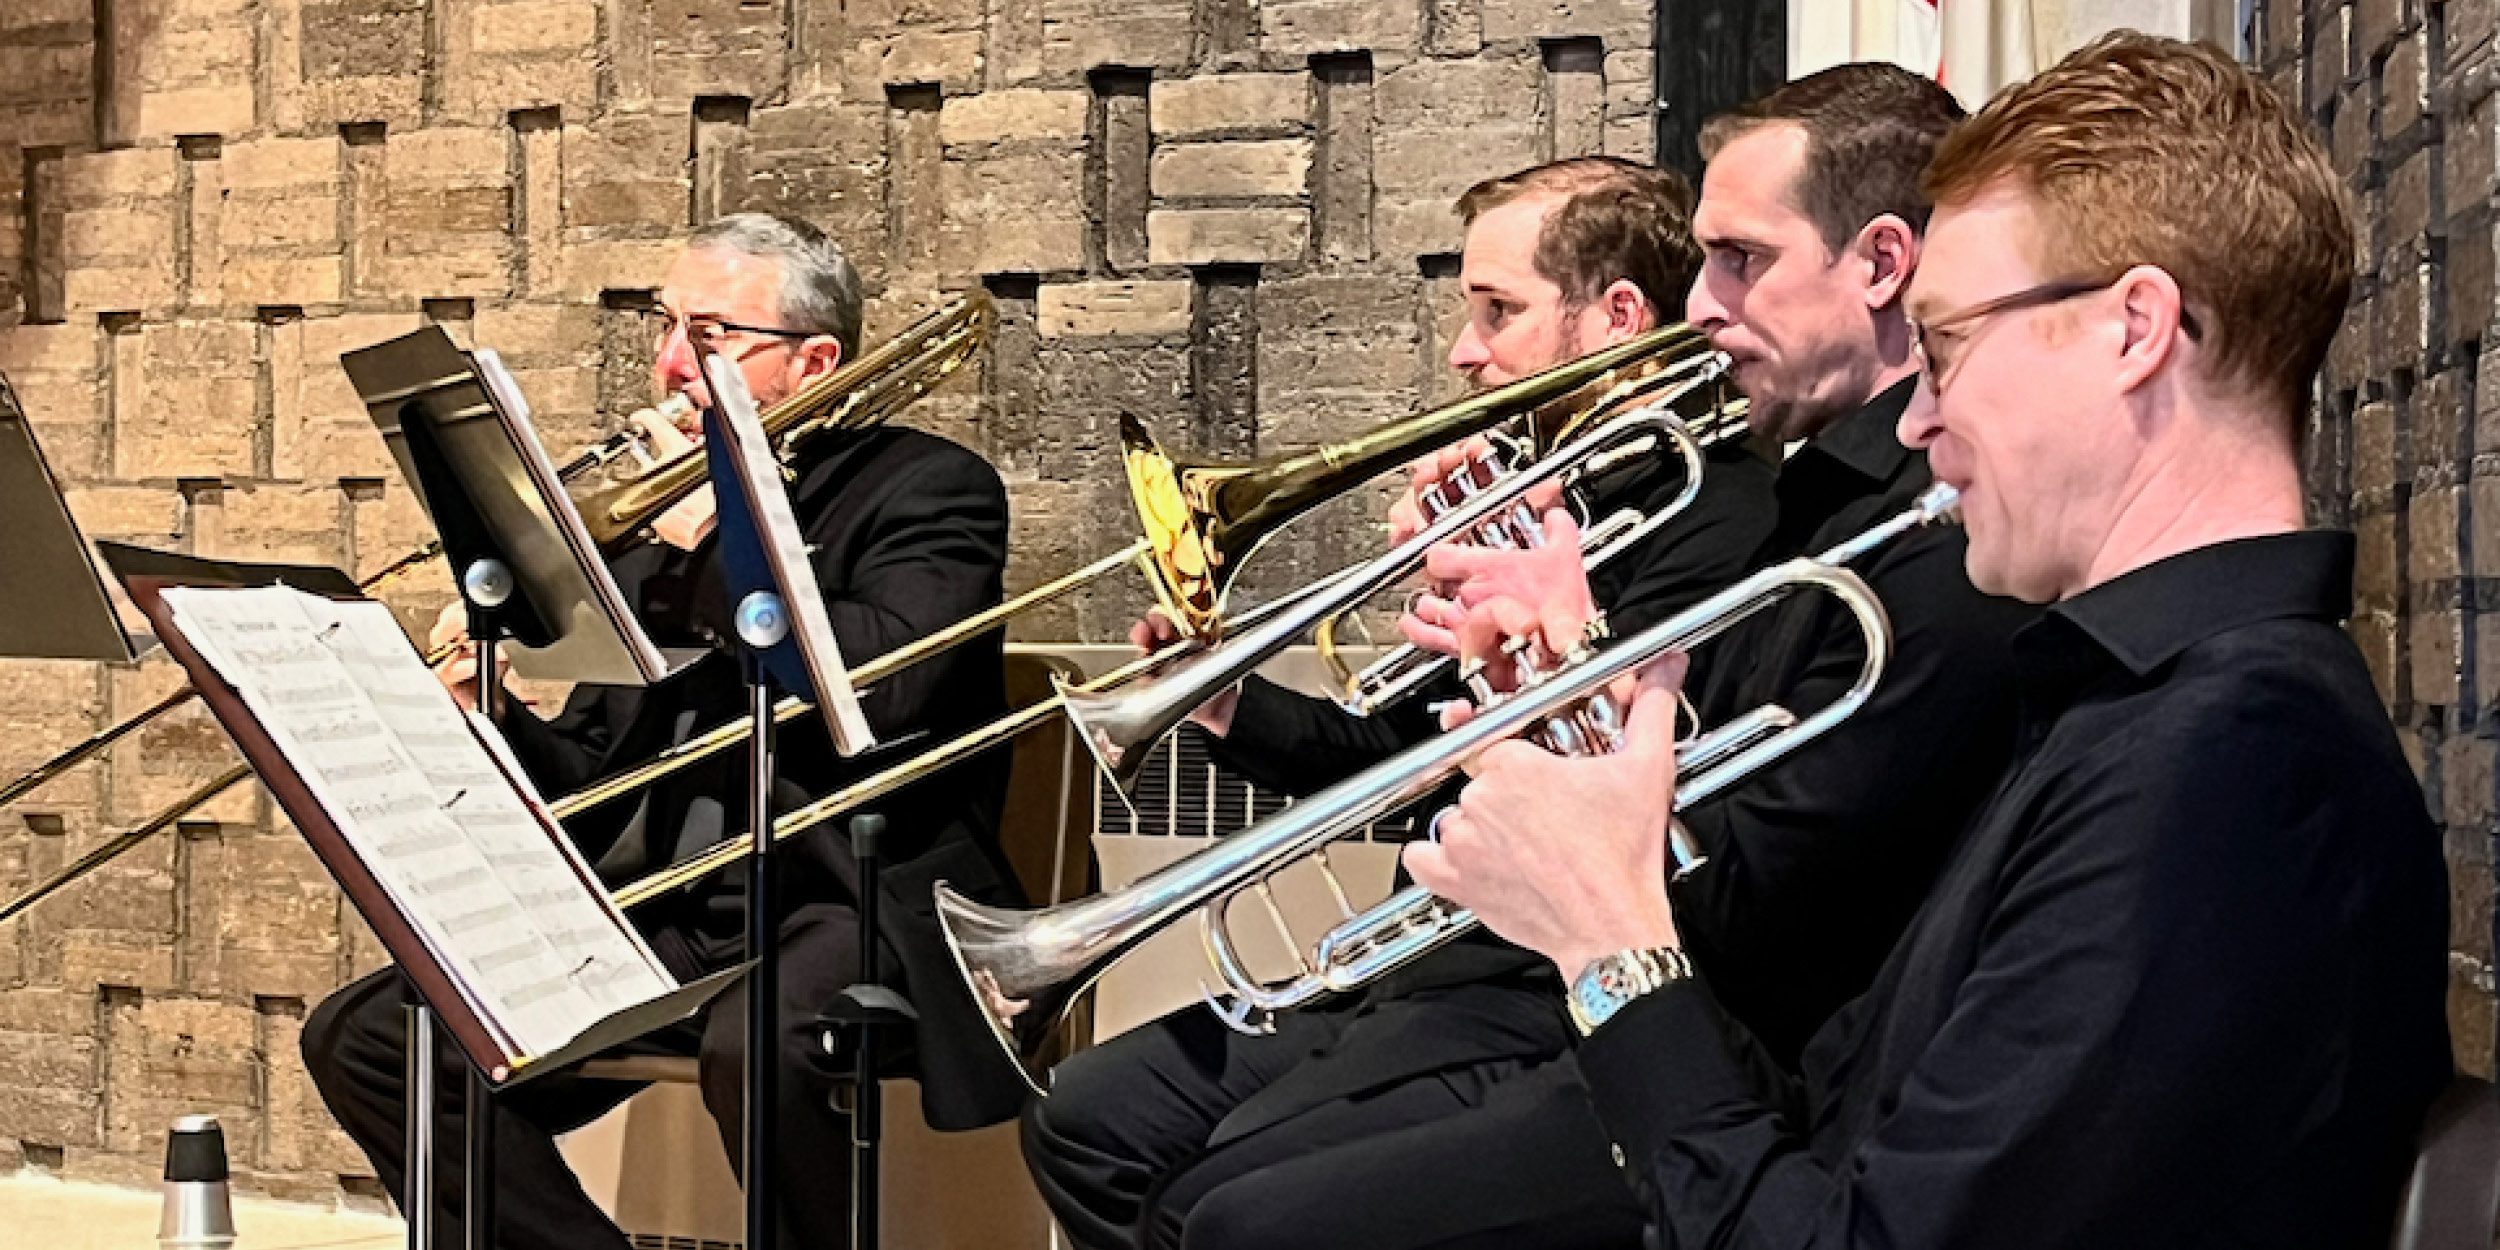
1183,791
658,1241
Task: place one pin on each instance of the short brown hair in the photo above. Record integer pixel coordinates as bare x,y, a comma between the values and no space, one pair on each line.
1617,220
1870,128
2139,150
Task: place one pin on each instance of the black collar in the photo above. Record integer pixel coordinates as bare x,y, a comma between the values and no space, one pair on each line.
2144,619
1867,441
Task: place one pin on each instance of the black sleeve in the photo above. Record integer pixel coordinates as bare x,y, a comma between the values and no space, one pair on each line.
1301,744
1817,863
1714,541
932,553
565,754
2163,996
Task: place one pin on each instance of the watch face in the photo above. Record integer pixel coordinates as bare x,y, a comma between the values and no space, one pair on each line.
1595,993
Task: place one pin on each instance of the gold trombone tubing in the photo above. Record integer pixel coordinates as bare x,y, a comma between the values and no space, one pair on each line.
869,789
113,847
726,736
679,757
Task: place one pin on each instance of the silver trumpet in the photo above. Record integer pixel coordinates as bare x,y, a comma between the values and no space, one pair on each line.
1027,967
1407,668
1121,726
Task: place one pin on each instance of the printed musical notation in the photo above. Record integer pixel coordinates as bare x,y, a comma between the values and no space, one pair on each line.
443,822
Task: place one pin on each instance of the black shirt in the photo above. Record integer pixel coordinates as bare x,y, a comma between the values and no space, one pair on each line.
2180,985
1817,864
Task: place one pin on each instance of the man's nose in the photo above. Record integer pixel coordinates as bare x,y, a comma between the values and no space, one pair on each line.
1468,354
1918,426
675,366
1703,308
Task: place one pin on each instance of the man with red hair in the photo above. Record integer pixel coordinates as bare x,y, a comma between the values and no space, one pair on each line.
2181,982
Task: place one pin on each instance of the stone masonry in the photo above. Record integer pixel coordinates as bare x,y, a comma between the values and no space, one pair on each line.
2404,441
1230,218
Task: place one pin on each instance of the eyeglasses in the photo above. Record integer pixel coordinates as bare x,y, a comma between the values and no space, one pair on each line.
665,323
2029,297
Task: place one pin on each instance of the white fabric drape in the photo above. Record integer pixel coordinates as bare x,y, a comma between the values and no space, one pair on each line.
1973,47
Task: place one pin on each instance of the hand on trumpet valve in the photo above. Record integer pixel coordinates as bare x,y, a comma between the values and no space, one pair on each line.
459,673
1157,632
1465,577
1503,643
1567,855
1434,483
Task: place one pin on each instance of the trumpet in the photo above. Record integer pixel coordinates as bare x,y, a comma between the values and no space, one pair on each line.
1406,668
1120,727
1025,967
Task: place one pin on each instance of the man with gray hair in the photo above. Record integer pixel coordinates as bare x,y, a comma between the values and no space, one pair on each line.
909,534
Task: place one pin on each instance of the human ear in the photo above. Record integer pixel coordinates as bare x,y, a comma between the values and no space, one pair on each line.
2151,305
1888,248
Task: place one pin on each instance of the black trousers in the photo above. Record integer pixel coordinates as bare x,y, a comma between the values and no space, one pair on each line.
1183,1133
355,1045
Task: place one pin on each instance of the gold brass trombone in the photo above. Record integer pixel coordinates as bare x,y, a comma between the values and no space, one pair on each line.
855,396
1026,966
1120,727
1204,520
1215,515
1660,369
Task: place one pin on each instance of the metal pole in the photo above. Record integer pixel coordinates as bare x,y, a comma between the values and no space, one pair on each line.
761,624
487,585
418,1202
867,1097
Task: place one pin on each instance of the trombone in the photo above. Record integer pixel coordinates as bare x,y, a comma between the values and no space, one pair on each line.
1120,715
857,395
1203,521
1224,512
1025,967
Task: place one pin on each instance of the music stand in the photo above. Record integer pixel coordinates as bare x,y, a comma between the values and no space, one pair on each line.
786,640
459,427
61,609
409,918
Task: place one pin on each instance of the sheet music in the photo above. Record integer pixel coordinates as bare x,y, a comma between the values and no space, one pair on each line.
486,881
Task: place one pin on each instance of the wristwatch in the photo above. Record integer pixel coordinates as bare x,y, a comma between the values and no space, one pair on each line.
1611,981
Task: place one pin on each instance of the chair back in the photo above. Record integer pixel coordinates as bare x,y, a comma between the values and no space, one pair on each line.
2452,1200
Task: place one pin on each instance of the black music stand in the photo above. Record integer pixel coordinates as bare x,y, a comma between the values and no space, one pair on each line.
62,610
457,425
786,641
868,1009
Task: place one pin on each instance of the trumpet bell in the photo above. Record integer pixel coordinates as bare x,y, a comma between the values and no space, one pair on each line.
1119,728
1025,970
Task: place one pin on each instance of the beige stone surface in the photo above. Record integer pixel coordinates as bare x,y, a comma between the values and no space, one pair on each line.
1205,213
60,1215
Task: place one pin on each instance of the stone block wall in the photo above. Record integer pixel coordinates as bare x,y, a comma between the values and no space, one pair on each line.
2404,441
1231,218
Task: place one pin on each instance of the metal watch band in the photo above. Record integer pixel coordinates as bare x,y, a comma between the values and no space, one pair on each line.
1608,984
